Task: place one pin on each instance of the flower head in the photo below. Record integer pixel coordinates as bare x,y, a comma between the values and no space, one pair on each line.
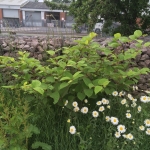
115,93
108,106
130,96
84,110
147,122
124,101
66,102
98,103
75,104
139,108
144,99
148,131
101,109
133,104
107,118
121,128
142,128
117,134
114,120
72,130
122,93
85,101
76,109
68,120
128,115
130,136
105,101
95,114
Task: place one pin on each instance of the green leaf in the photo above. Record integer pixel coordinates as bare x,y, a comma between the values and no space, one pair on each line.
39,89
147,44
88,92
41,144
50,79
51,52
35,83
113,44
81,96
33,129
63,85
97,89
55,96
138,33
71,63
104,82
77,75
140,41
65,78
117,35
123,39
132,37
92,34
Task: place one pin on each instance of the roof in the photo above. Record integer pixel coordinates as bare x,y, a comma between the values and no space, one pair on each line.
13,2
35,5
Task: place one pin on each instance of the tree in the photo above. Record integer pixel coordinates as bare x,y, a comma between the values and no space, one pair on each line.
126,12
61,1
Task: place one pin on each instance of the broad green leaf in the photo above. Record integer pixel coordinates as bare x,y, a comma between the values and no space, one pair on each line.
138,33
87,81
55,96
132,37
88,92
140,41
123,39
113,44
33,129
51,52
81,96
92,34
63,85
71,63
65,78
39,89
147,44
97,89
35,83
50,79
117,35
86,42
44,146
104,82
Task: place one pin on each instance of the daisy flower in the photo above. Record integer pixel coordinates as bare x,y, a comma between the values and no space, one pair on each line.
74,104
130,96
147,122
76,109
72,130
95,114
124,135
85,101
105,101
133,104
121,128
117,134
148,131
144,99
107,118
130,136
114,120
101,109
124,101
115,93
128,115
142,128
66,102
99,103
84,110
108,106
122,93
139,108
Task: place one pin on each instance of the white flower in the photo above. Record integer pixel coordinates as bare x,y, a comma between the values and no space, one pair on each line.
124,135
142,128
147,92
148,131
76,109
101,109
107,118
121,128
115,93
135,88
84,110
122,93
124,101
130,136
105,101
147,122
99,103
117,134
74,104
128,115
114,120
72,130
144,99
95,114
130,97
148,99
85,101
139,108
66,102
108,106
128,110
133,104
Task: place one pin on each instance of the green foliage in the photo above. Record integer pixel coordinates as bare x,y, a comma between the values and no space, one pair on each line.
79,73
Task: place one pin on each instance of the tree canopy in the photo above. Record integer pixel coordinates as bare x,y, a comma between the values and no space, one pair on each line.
126,12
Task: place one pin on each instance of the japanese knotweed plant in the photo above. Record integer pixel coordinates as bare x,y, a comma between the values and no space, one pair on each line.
80,72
